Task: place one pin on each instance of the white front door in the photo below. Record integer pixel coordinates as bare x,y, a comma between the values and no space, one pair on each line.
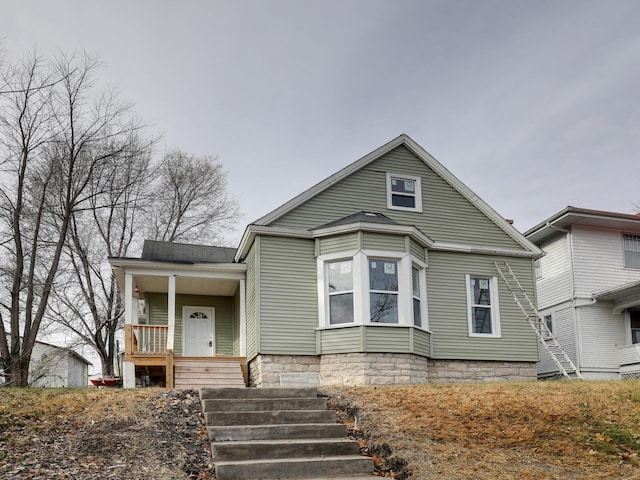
198,325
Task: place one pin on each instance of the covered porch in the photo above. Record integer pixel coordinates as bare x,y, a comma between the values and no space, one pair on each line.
625,300
184,323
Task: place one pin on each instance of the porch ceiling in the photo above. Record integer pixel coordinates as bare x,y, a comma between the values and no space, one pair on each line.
187,285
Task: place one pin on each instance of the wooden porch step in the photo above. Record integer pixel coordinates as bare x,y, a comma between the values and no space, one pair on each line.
207,373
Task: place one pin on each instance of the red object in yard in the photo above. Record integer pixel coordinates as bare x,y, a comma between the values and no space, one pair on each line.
104,382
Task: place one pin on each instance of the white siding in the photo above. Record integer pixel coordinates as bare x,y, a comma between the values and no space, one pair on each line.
564,329
599,263
601,333
555,284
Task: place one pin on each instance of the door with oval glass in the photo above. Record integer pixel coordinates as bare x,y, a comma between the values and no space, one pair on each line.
198,325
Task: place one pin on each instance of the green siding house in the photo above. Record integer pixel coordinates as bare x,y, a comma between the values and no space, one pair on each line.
383,273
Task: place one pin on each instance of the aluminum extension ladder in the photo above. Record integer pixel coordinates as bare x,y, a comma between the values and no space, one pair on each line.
545,336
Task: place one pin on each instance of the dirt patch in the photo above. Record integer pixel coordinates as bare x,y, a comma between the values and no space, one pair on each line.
110,434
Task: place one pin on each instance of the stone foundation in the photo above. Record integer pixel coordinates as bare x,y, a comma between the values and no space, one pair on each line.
265,370
373,369
449,371
384,369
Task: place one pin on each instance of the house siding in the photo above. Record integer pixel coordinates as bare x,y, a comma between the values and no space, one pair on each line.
601,261
381,241
564,329
223,318
288,296
601,334
446,217
251,313
417,250
374,339
448,320
556,282
339,243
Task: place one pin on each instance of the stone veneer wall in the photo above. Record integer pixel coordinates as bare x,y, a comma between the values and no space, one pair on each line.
373,369
384,369
448,371
265,370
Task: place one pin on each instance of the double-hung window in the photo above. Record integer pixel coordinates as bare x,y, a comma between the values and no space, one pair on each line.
482,304
404,192
383,290
417,296
340,282
631,246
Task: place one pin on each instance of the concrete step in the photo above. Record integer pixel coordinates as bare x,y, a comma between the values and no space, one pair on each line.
258,393
347,466
283,449
274,417
263,404
245,433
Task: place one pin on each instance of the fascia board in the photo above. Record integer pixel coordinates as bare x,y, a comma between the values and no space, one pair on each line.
150,266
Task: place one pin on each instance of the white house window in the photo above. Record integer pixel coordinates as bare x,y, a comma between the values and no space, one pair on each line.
631,246
404,192
383,291
340,276
371,287
483,306
417,296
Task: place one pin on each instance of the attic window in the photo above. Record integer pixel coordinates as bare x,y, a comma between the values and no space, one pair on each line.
404,192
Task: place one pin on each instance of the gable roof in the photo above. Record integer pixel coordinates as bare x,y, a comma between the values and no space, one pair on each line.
431,162
185,253
569,216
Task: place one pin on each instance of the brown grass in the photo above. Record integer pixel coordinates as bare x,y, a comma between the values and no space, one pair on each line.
536,430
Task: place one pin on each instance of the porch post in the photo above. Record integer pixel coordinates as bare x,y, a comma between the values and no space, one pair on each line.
128,367
171,314
243,319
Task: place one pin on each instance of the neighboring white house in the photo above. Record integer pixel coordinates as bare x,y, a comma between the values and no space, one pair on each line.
588,290
56,367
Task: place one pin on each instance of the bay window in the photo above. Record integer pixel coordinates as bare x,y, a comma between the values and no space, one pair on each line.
371,288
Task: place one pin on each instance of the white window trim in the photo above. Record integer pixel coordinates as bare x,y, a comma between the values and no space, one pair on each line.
495,309
424,311
624,250
361,292
418,192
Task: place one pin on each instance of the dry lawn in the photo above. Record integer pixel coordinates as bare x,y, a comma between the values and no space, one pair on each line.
536,430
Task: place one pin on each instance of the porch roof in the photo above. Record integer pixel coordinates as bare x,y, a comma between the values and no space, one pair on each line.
623,296
220,279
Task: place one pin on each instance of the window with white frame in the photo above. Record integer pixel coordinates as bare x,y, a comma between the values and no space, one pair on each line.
372,288
631,246
416,293
404,192
340,288
482,301
383,291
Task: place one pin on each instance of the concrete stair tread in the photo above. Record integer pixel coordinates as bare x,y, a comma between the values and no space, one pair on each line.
326,458
292,441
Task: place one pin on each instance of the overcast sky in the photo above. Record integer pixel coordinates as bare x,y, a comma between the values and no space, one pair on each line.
535,105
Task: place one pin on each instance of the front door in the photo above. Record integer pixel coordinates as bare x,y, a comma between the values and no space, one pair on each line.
198,330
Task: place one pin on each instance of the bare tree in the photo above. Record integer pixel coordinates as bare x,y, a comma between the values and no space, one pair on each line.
190,200
59,145
91,306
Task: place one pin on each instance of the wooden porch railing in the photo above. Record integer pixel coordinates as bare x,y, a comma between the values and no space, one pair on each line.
145,339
